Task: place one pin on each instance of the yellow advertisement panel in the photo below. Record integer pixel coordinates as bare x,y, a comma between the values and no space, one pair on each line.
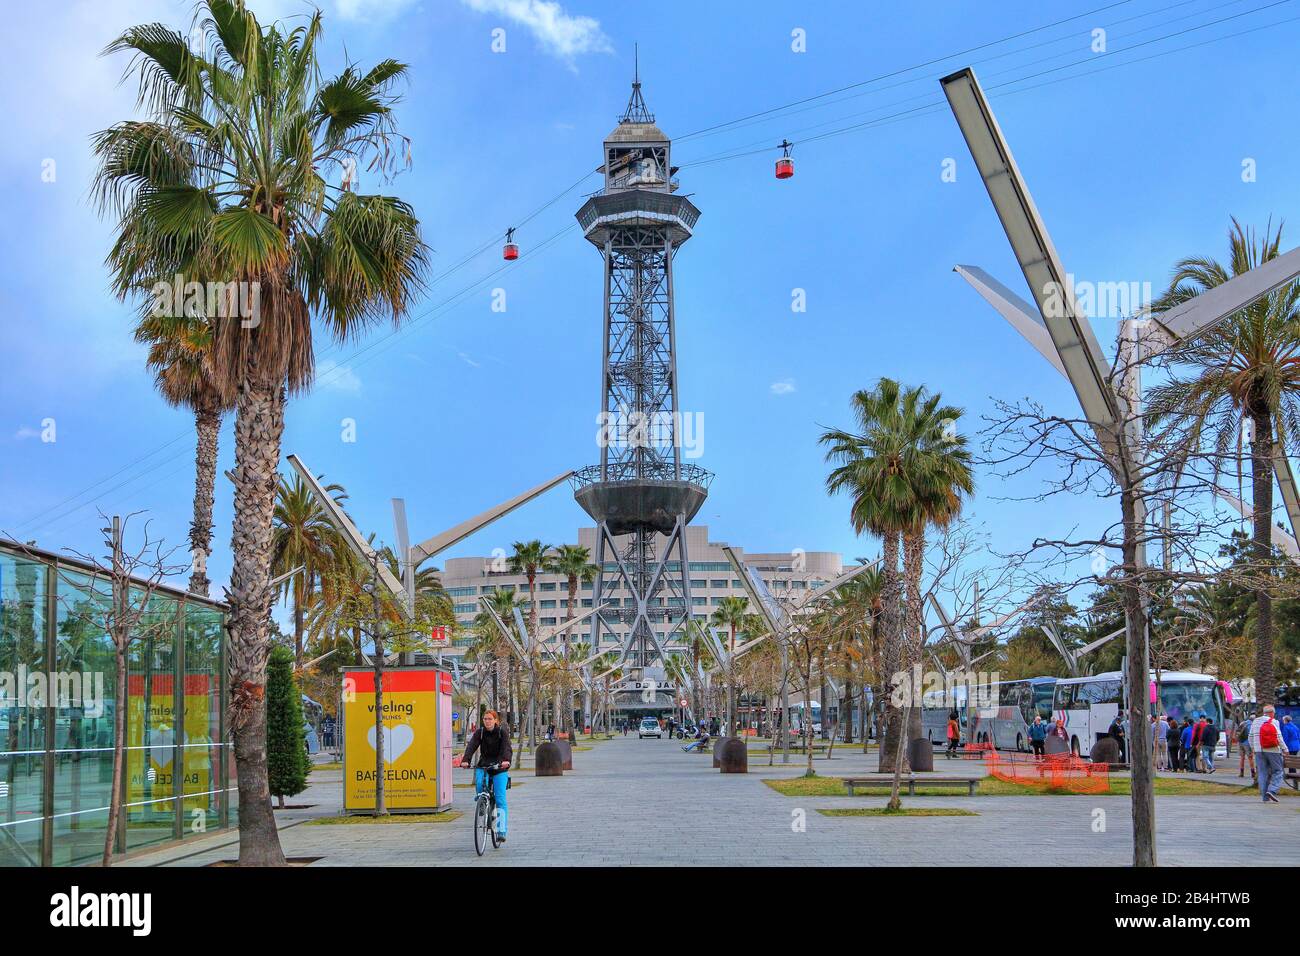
151,738
410,736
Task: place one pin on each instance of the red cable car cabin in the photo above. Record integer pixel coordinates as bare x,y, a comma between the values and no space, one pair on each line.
784,167
511,250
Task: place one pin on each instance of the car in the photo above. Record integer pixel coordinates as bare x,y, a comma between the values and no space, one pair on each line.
649,728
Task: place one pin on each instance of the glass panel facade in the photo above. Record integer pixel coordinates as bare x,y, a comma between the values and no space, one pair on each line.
83,755
58,703
23,591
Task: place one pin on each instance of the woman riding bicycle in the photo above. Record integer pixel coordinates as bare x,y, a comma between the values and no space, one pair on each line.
492,741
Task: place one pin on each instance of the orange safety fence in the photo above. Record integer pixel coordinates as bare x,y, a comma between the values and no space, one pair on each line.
1064,772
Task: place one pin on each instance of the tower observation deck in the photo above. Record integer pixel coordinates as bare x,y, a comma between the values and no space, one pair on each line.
641,494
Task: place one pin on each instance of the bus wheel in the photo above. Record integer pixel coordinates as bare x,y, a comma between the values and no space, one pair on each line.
1074,746
1020,743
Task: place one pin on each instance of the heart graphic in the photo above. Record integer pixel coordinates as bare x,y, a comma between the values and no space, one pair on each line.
397,740
160,747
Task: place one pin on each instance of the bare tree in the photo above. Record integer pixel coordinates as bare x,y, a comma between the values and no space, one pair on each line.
134,576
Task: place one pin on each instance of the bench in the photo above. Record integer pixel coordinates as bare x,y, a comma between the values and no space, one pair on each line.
1291,770
912,782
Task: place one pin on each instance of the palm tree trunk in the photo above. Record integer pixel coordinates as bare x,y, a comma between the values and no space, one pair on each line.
1261,477
891,653
259,424
207,427
913,568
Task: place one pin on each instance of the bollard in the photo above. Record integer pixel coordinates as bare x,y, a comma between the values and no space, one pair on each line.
920,755
733,755
716,743
566,754
1105,750
1055,745
548,761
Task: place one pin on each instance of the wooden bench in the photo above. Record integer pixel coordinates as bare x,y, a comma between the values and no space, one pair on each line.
912,782
1291,770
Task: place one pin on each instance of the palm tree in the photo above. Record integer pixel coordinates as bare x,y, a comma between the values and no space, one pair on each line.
869,469
1246,368
731,614
854,607
229,177
574,562
907,469
529,558
303,542
503,602
180,358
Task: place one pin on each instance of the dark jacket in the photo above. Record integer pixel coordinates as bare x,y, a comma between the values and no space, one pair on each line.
492,746
1209,735
1174,736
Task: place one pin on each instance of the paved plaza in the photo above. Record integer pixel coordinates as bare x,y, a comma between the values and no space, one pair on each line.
645,802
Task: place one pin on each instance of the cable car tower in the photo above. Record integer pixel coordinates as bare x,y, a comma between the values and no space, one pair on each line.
641,495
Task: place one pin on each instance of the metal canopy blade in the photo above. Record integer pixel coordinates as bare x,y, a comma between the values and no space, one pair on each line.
441,542
1072,336
1020,314
1201,313
343,524
1281,540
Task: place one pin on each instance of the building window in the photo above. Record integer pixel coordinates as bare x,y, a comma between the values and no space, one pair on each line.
699,582
548,621
716,583
700,600
548,604
546,586
462,592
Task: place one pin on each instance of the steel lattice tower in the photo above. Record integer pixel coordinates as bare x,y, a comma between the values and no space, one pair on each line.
641,495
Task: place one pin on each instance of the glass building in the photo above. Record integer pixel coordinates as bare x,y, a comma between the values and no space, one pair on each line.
58,692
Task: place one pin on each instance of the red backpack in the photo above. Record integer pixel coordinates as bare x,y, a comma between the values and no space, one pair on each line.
1268,734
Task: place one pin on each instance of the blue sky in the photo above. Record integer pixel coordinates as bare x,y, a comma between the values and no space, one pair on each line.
1131,167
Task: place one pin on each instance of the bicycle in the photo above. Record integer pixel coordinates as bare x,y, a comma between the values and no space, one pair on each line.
485,810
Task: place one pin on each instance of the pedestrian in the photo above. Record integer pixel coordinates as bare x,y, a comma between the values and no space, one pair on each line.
1189,754
1269,746
1116,732
1209,737
1247,755
1161,740
1290,734
1174,741
1037,735
1058,731
954,735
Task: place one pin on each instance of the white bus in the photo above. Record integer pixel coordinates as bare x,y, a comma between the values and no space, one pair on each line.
1004,722
1088,705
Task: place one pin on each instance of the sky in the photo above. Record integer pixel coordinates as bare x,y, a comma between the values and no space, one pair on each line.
1137,151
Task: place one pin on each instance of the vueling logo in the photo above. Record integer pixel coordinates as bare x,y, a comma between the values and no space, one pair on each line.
134,910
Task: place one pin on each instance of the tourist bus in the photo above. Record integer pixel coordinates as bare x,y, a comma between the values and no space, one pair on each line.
1088,705
796,717
1004,722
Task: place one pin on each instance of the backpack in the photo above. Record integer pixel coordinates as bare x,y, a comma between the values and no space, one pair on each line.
1268,734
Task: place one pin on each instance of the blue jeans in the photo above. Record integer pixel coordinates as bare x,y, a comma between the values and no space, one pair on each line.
1207,758
1270,773
499,782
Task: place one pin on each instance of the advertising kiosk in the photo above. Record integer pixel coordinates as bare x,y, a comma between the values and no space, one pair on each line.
417,737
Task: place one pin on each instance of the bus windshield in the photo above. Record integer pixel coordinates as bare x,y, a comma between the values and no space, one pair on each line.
1180,700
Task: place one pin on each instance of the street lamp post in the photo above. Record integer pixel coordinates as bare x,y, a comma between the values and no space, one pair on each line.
1112,413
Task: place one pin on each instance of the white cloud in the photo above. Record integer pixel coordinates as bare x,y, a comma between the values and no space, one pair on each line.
340,378
26,432
468,361
783,387
561,34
